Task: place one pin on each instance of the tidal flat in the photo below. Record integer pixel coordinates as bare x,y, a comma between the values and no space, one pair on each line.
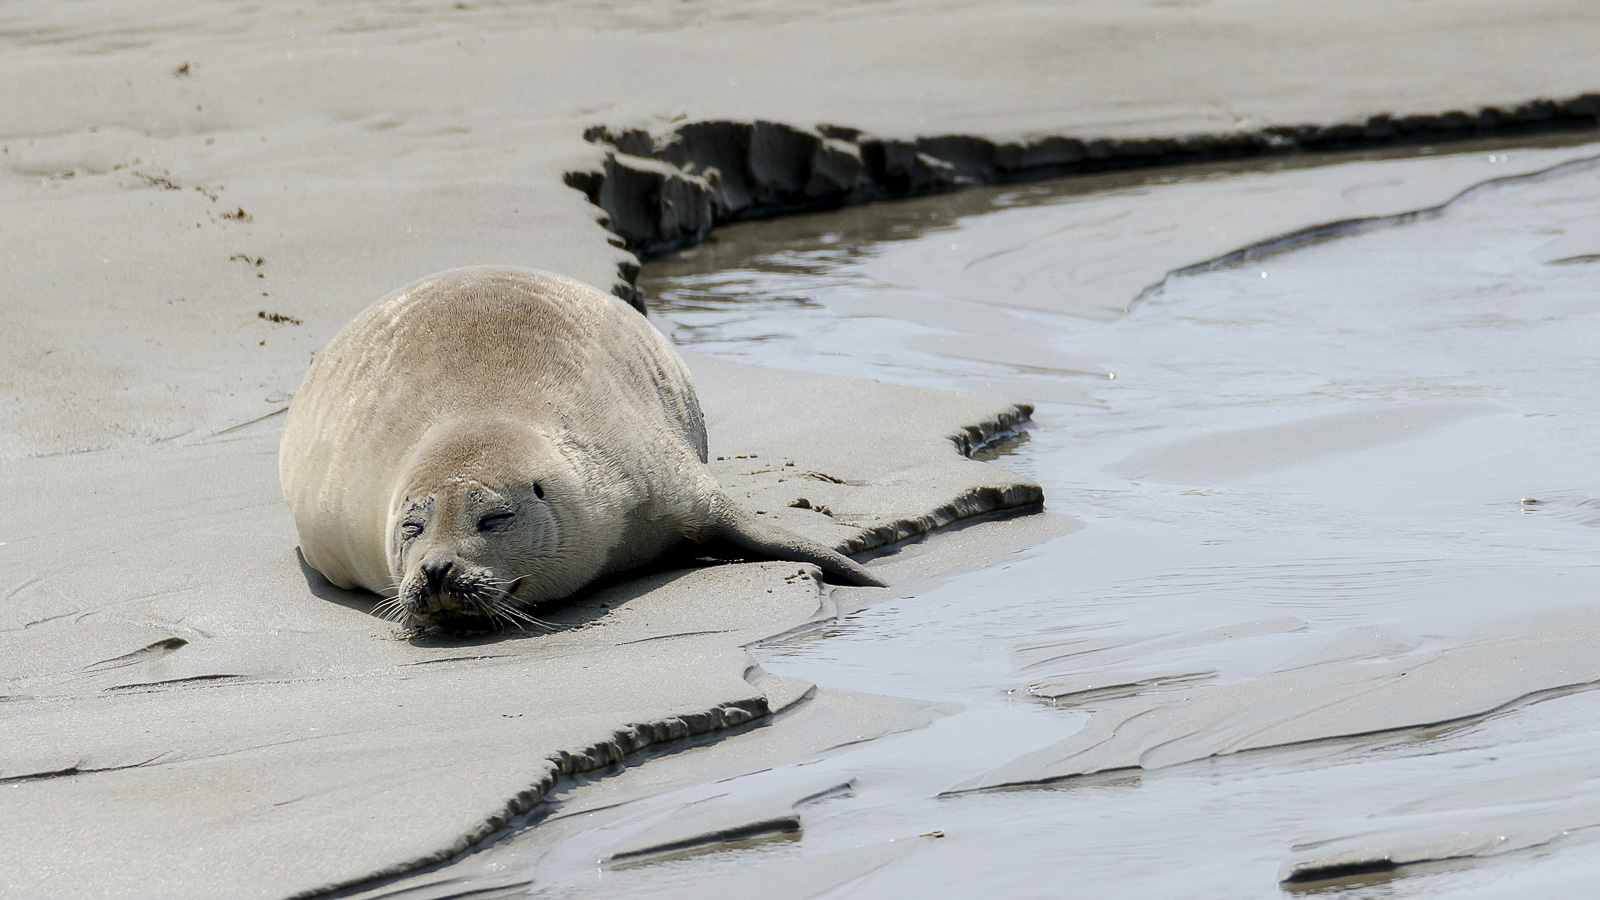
1318,618
1298,488
1329,626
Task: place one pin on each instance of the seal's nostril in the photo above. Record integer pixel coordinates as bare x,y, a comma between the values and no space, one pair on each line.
435,572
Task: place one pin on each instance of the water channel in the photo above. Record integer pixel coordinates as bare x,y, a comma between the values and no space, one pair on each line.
1330,621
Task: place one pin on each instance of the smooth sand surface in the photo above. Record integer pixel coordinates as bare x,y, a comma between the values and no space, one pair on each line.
194,198
198,676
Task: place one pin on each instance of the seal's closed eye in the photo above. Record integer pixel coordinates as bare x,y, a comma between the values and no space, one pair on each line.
495,520
409,530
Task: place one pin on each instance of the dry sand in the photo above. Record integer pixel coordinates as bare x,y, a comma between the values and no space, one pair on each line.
195,197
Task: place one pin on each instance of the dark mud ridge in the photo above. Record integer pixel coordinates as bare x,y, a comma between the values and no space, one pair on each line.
973,502
624,745
661,192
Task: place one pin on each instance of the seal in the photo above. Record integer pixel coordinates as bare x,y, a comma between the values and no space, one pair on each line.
489,439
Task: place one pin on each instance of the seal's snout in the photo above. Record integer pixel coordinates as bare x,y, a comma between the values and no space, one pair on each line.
435,573
456,593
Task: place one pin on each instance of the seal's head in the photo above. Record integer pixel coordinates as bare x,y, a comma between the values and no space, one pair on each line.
476,526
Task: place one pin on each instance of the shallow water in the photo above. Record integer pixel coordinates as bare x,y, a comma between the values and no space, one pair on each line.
1337,582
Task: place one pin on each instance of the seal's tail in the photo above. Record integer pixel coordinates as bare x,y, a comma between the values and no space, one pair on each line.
742,530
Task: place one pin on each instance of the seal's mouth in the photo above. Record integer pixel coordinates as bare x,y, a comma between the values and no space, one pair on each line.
465,604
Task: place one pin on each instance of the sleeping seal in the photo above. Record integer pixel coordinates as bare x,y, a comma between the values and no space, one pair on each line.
489,439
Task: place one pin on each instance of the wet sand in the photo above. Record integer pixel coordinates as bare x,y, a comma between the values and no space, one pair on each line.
1331,620
196,198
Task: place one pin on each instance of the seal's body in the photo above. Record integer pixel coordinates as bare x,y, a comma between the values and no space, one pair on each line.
491,438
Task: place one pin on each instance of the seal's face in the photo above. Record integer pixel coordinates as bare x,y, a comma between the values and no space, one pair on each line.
474,532
465,549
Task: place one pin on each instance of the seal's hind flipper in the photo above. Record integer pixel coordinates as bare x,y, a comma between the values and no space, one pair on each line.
740,529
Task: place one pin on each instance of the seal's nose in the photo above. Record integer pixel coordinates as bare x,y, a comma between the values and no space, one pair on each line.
435,572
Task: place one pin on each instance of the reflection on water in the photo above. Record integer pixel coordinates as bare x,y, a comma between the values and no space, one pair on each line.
810,245
1316,462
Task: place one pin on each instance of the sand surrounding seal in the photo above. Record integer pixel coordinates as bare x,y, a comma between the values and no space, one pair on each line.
194,198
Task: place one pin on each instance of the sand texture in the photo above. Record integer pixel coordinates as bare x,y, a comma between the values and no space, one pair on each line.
1321,700
200,677
195,197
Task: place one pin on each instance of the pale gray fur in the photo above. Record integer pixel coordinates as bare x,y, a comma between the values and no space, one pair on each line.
495,391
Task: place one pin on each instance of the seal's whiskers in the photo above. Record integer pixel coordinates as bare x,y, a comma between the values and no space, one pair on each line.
522,616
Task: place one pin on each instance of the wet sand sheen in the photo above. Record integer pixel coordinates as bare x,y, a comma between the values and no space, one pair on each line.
1318,486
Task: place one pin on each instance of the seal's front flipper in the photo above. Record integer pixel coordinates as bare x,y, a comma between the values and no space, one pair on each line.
735,526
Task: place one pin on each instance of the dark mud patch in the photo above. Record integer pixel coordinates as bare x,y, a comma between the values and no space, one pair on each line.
664,191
